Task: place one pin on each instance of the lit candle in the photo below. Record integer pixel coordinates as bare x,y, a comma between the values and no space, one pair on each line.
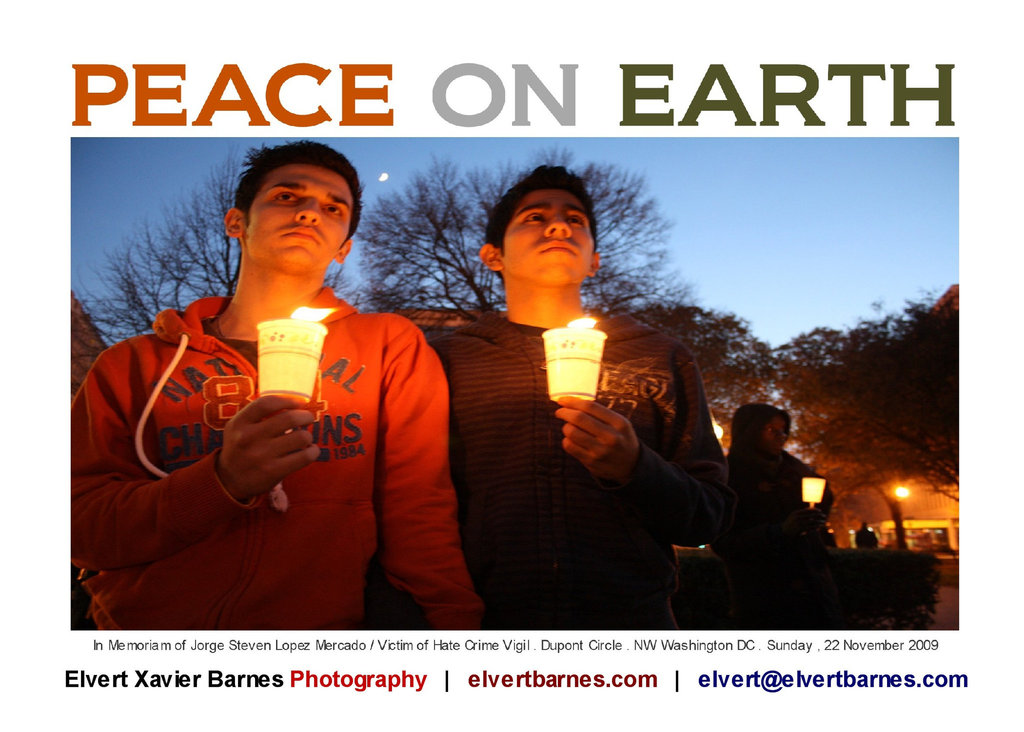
289,352
813,490
289,358
573,356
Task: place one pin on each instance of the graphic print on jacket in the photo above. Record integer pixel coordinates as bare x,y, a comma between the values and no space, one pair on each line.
226,389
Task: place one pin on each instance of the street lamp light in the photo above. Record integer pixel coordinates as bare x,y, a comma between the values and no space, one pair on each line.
901,492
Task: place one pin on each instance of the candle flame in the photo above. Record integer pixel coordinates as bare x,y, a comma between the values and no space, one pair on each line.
314,315
583,323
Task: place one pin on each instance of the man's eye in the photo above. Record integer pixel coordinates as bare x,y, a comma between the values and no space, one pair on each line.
332,209
285,196
578,220
533,217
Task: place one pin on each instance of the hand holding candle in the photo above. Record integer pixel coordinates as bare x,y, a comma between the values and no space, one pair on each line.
600,438
263,444
573,356
289,360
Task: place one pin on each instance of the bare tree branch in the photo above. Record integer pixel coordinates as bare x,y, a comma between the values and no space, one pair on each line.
421,244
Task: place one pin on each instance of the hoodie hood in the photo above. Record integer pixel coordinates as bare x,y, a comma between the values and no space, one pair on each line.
171,324
747,424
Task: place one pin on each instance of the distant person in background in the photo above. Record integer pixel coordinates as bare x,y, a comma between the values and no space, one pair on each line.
865,537
774,553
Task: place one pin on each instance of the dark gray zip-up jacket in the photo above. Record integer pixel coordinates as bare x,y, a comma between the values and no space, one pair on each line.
547,544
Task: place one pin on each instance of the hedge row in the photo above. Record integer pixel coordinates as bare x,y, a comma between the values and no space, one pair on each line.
878,589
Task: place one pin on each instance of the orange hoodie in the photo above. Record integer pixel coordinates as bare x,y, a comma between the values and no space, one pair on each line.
178,552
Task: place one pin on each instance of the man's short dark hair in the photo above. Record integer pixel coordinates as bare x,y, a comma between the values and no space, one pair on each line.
260,161
542,178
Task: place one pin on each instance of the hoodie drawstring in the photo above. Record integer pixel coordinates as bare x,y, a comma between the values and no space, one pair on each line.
139,449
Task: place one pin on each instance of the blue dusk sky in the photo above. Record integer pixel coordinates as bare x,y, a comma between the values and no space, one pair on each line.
787,233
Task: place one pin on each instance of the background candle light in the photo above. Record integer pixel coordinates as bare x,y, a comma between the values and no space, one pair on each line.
289,353
573,356
813,490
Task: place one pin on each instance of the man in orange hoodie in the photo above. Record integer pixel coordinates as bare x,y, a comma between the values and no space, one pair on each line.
232,510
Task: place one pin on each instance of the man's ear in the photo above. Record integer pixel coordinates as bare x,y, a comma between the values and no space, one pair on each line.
595,264
490,255
234,223
343,252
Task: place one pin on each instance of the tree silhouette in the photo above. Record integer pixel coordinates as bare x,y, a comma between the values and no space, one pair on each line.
879,403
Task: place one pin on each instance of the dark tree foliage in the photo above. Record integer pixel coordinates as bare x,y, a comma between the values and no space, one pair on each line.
737,367
181,256
879,404
420,245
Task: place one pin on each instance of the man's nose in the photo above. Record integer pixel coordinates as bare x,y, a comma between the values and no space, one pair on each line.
308,212
558,228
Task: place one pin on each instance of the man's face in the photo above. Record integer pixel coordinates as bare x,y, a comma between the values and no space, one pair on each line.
773,436
547,241
298,221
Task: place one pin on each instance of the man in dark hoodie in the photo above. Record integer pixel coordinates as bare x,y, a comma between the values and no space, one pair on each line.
569,511
774,553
